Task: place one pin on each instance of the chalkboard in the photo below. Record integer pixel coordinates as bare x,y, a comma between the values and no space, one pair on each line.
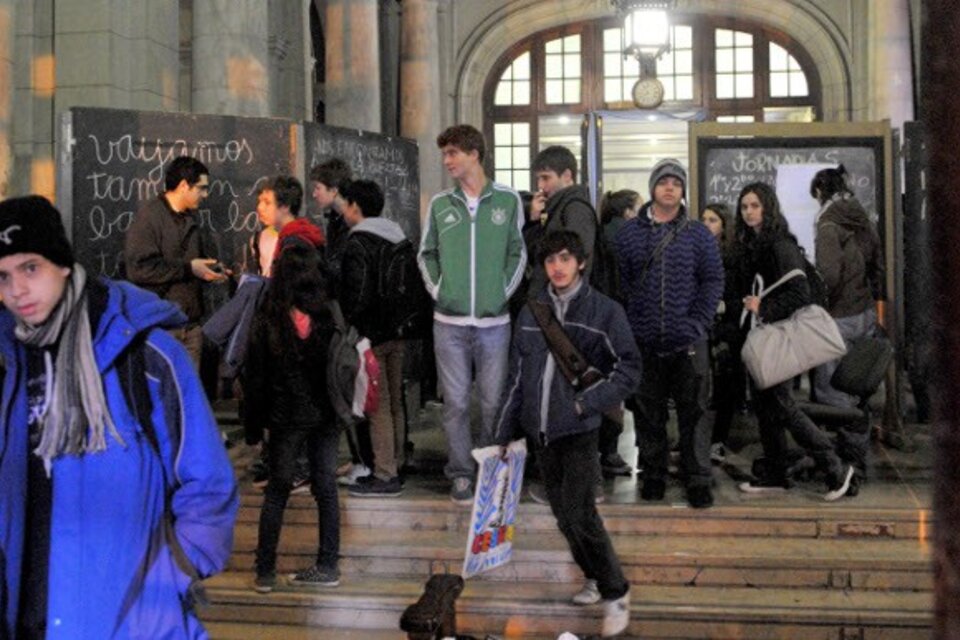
113,160
726,165
393,163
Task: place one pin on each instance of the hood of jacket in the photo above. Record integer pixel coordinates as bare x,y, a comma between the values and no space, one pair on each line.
381,227
301,229
846,212
645,214
561,198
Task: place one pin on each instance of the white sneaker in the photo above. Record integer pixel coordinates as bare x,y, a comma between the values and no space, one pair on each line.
588,594
616,616
356,472
841,490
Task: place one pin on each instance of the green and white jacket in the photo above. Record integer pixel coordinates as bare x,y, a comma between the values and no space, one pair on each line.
472,263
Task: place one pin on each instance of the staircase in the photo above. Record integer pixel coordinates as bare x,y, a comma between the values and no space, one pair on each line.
794,569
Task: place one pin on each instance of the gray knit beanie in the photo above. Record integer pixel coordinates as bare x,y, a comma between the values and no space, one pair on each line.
668,167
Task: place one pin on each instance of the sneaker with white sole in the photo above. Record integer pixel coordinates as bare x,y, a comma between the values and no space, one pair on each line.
589,594
616,616
839,488
462,491
356,472
301,486
265,582
761,486
718,453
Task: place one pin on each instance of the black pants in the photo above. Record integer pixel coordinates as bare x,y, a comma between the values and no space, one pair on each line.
729,388
776,413
569,466
682,376
610,431
284,447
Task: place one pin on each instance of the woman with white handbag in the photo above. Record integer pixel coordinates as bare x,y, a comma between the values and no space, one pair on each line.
765,251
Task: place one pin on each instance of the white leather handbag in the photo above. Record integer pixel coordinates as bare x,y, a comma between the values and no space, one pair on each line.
778,351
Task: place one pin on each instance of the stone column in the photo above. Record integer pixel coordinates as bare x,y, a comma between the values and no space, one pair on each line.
230,57
941,115
420,108
6,95
353,64
891,71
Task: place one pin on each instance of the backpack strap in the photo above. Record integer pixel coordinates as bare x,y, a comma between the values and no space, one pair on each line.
132,370
661,247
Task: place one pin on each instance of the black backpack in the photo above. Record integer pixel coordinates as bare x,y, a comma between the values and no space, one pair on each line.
605,272
402,291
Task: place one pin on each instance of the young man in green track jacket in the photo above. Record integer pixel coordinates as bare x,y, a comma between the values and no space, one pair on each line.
472,258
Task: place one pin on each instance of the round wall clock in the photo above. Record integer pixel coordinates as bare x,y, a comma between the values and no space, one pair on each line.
648,93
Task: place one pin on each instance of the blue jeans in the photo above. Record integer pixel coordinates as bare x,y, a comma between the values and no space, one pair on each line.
853,439
459,351
851,328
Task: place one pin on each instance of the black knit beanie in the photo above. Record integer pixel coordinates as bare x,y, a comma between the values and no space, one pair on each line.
32,225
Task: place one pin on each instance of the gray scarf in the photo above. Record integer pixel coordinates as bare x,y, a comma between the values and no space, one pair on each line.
78,417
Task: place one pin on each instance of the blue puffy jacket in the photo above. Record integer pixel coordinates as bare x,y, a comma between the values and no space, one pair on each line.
598,327
673,304
106,542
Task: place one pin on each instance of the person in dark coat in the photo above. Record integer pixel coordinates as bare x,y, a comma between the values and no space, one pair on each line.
542,404
672,278
167,252
729,382
765,247
285,388
850,259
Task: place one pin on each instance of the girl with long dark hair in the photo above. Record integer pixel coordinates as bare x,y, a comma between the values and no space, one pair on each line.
765,247
286,388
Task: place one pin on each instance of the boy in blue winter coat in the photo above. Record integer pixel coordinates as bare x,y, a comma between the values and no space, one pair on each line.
115,488
541,403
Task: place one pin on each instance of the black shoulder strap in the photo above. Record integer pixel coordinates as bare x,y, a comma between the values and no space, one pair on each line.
132,370
570,361
661,247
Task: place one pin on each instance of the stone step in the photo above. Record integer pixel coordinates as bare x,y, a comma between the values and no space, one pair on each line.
894,565
542,609
419,510
246,631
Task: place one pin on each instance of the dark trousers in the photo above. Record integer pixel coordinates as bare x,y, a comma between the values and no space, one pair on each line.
729,388
569,466
682,376
284,447
610,431
776,410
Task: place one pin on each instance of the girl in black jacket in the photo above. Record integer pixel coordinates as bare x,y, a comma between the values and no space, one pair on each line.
764,246
285,387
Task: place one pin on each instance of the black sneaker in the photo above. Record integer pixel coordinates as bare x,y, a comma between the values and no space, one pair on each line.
613,465
653,490
700,497
377,488
316,576
260,473
265,582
